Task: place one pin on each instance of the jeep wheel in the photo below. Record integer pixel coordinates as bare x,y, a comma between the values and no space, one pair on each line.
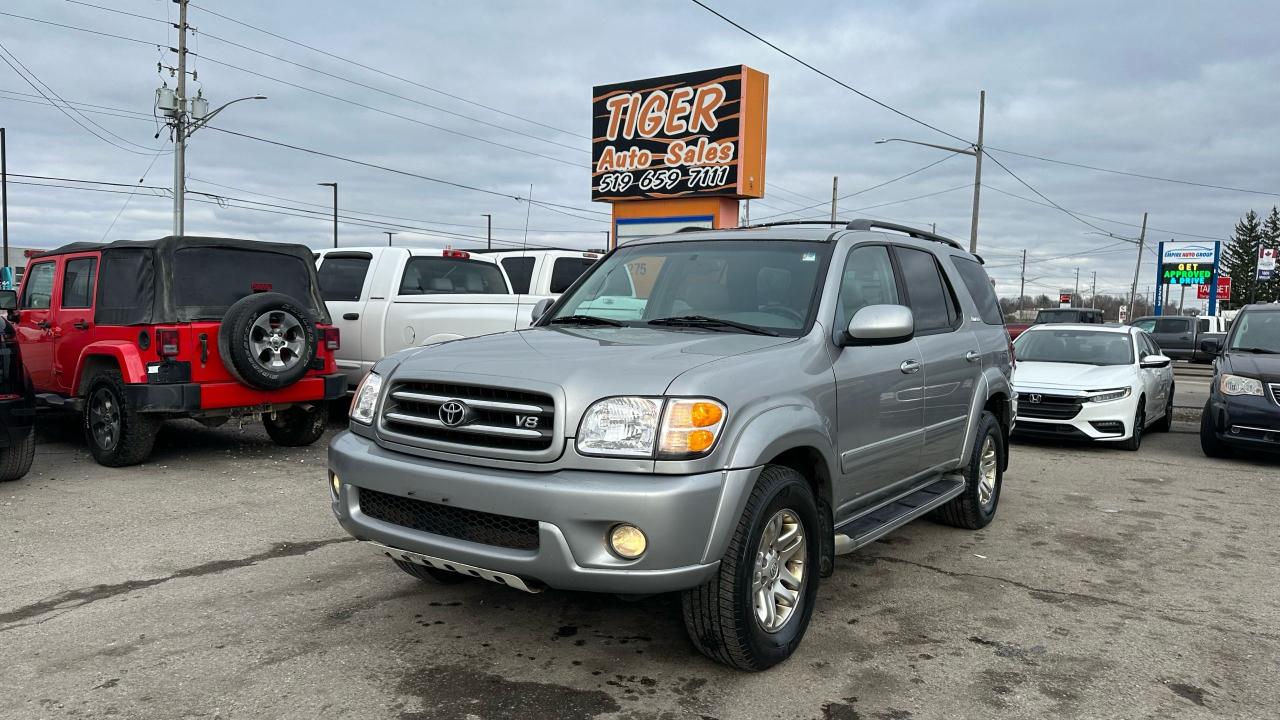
118,435
15,460
267,341
297,426
1165,424
754,611
976,505
1209,442
430,574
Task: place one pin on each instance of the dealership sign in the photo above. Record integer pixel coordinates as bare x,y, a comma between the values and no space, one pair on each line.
1266,263
1224,290
694,134
1183,263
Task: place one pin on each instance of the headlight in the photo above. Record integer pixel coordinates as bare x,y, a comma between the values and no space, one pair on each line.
1237,385
365,403
649,427
1109,395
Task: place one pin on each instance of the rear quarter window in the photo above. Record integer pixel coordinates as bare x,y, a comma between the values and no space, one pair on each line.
980,289
565,270
342,276
519,272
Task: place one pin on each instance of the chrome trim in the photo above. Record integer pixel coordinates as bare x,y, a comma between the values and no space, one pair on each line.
1275,392
477,429
1265,431
482,404
493,576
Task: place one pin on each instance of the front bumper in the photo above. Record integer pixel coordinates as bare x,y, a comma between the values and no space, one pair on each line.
686,518
1106,421
1246,421
191,398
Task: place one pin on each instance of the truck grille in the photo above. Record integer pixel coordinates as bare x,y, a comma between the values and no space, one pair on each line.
459,523
471,415
1050,407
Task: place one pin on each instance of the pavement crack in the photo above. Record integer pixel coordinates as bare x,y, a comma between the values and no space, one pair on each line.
71,599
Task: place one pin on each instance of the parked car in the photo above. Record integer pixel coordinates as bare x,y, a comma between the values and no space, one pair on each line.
1243,411
543,272
1180,335
786,395
17,403
133,333
1049,316
386,299
1092,382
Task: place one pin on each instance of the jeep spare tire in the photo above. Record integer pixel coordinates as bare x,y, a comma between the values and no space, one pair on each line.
267,341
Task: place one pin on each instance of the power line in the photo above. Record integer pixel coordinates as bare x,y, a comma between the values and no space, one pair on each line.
81,29
864,190
1045,197
1104,219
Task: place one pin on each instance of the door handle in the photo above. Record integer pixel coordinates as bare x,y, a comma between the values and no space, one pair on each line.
80,324
43,324
351,316
972,356
910,366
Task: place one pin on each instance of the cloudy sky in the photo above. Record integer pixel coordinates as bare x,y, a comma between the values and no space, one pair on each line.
496,96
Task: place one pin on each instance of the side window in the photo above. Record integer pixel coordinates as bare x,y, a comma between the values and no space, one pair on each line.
77,282
867,280
980,289
37,292
1173,326
931,300
520,272
1202,325
342,276
1148,325
566,270
451,276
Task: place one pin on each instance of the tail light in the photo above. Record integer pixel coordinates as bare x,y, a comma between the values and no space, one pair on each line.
460,254
167,342
331,338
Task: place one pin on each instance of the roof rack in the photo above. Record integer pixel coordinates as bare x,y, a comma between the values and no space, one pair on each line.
864,224
795,222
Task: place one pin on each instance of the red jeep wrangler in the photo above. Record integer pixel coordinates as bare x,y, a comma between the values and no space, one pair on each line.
134,333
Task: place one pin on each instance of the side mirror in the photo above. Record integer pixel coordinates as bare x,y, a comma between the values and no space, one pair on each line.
8,299
880,325
540,309
1212,346
1155,361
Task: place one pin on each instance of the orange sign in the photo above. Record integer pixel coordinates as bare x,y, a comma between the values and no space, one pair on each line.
696,134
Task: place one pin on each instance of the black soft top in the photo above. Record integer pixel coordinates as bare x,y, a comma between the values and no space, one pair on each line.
181,279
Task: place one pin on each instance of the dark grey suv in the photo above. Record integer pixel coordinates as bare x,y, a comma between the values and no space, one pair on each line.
719,413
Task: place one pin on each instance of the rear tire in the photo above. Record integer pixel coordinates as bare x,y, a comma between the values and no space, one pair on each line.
1139,427
1209,442
15,460
974,508
297,426
430,574
721,614
1165,424
118,435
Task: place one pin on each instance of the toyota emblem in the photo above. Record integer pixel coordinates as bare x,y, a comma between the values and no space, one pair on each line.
453,413
1033,398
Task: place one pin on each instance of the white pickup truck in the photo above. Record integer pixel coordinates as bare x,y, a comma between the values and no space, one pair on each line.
543,272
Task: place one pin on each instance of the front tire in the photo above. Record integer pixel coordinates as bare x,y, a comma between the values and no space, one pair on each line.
753,613
1139,426
297,426
15,460
118,435
974,508
1209,442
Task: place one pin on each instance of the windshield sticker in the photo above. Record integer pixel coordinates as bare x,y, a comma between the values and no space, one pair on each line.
809,257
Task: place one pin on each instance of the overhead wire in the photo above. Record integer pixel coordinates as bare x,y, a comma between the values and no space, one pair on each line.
865,190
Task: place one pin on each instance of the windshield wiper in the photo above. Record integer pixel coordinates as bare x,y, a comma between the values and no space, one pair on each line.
1260,351
584,320
711,323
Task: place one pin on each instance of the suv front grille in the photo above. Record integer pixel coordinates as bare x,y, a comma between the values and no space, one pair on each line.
1050,407
459,523
490,417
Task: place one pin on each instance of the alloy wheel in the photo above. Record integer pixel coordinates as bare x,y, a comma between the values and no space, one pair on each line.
277,340
104,418
779,573
988,469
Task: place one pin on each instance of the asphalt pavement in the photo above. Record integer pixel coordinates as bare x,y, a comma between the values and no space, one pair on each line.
212,582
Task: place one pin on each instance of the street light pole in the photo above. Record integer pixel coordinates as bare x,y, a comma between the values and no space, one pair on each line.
489,234
333,185
388,234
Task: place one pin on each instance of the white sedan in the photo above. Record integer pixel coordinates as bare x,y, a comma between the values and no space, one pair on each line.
1089,382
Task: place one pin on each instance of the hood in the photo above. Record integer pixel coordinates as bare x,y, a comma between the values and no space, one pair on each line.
1264,367
1071,376
593,362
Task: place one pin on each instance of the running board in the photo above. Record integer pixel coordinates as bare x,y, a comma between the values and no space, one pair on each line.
896,513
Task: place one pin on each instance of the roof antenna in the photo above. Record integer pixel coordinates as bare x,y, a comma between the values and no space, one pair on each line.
524,248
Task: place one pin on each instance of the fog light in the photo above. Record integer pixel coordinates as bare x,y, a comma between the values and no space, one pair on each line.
627,541
335,483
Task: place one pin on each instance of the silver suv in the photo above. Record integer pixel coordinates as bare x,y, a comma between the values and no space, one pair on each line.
716,412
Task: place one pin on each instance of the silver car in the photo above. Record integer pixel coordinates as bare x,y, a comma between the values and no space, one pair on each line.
719,413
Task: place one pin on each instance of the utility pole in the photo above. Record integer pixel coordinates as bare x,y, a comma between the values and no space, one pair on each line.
748,206
1093,294
489,235
388,234
933,227
835,184
180,125
4,197
1133,292
1022,283
977,172
1076,294
333,185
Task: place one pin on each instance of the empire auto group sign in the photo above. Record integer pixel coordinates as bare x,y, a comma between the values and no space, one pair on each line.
694,134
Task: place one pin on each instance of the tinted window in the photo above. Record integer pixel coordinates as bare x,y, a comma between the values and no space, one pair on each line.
342,276
1173,325
980,289
1202,324
519,272
931,301
125,287
37,293
214,278
566,270
451,276
77,283
867,280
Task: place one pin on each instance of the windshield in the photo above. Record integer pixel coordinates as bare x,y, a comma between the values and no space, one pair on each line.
715,285
1084,347
1257,331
